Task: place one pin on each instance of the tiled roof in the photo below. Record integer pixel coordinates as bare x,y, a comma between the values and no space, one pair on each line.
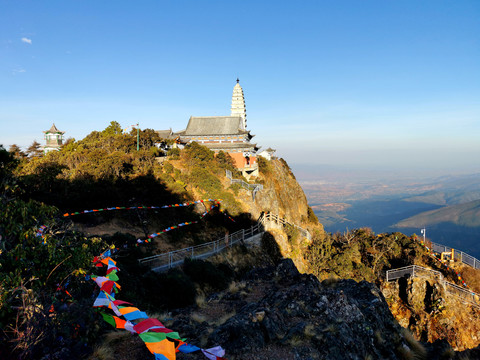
165,134
214,125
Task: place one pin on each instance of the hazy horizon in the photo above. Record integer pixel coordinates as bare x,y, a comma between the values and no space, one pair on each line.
370,84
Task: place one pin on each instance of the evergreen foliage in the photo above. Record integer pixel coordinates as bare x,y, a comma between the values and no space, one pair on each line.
103,169
35,150
36,270
360,254
17,152
264,166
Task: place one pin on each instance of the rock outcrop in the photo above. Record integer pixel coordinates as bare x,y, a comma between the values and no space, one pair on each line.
282,314
282,195
422,306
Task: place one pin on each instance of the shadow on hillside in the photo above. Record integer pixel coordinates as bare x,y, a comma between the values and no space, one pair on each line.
88,193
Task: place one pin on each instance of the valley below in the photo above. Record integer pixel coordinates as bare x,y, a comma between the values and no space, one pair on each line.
447,207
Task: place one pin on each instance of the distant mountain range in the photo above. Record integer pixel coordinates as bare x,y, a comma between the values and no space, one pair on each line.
467,214
449,208
456,225
451,191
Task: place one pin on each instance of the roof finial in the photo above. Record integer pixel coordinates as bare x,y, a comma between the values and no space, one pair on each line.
238,80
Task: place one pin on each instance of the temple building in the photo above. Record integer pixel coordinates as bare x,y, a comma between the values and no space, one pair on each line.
54,139
226,133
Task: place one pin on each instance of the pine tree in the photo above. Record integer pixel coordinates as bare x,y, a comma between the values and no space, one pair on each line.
35,150
17,152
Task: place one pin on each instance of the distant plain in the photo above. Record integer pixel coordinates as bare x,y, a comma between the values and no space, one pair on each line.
447,206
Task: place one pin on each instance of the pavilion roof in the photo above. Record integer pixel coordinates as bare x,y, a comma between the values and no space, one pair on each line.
54,130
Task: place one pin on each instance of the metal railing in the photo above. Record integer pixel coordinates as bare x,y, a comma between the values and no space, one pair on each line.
272,218
254,188
413,270
460,293
463,294
177,257
459,255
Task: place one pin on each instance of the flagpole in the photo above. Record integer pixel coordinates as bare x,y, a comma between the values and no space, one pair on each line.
138,137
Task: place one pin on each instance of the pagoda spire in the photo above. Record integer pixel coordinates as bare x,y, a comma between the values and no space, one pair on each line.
238,104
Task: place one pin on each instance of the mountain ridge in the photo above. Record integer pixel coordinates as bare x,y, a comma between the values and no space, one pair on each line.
464,214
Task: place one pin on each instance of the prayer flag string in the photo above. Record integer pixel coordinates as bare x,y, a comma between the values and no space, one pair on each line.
142,207
151,236
162,342
216,204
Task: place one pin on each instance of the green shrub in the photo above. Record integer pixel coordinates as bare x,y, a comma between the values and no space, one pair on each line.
174,153
167,167
205,180
225,161
292,233
312,218
236,188
198,154
264,165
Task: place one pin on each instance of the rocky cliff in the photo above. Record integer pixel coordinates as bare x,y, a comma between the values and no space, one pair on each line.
282,195
423,306
274,312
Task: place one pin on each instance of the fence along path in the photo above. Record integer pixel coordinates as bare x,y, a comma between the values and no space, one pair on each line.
459,255
250,187
462,294
270,220
174,258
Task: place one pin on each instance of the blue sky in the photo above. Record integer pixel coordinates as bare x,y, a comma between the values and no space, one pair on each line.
369,84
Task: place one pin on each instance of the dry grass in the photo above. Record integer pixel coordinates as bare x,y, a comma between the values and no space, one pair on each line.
309,331
223,319
332,328
447,354
404,353
102,352
378,337
106,350
198,317
200,300
235,287
471,277
271,352
331,281
416,350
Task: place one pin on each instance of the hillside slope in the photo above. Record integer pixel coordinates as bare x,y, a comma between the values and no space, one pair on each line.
467,214
247,299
